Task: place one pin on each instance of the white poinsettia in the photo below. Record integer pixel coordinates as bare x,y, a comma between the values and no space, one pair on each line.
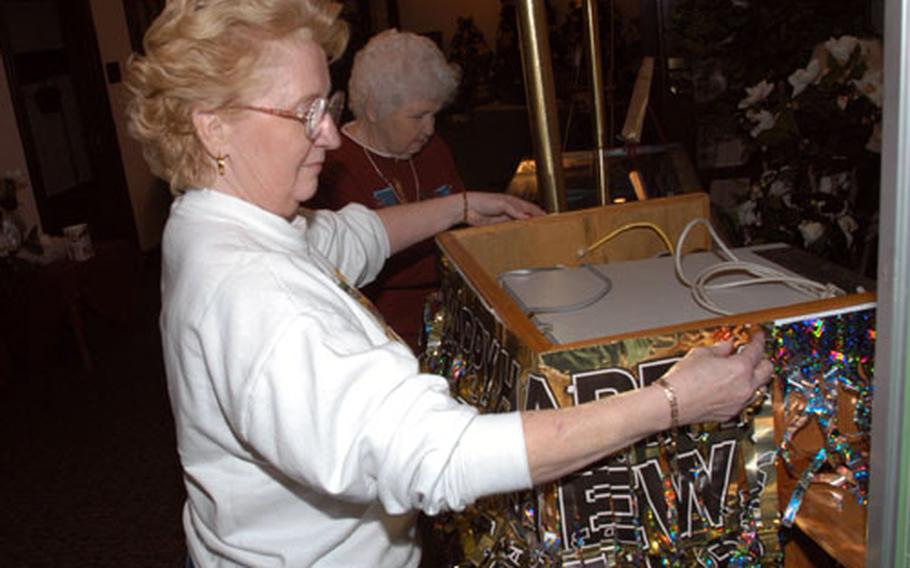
787,200
849,226
802,78
871,85
837,77
756,93
747,213
779,187
871,50
841,48
811,232
835,183
843,181
762,120
874,144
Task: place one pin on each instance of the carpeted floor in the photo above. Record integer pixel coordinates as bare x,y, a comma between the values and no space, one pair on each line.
89,474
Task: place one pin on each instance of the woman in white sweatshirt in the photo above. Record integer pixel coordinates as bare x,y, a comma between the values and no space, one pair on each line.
307,434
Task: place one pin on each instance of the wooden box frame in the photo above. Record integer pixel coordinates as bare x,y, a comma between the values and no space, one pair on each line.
504,353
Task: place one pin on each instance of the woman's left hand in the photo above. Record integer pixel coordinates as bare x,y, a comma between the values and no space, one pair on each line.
412,222
489,208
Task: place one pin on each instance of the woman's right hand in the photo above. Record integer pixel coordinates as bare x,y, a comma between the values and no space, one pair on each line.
713,384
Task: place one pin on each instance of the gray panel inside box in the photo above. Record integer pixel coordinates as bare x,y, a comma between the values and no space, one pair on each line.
643,294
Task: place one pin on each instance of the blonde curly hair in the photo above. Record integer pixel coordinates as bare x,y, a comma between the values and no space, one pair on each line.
205,55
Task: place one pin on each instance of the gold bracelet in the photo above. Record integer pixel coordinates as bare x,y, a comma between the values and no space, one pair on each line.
464,196
670,393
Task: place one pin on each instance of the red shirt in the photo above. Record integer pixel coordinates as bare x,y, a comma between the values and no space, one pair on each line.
348,176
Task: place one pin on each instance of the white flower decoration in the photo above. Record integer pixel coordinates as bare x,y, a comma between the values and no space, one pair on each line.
768,176
747,213
763,120
756,94
842,181
849,226
811,232
802,78
841,48
875,139
871,85
778,188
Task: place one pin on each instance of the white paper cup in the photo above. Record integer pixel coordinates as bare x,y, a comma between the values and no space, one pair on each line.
78,242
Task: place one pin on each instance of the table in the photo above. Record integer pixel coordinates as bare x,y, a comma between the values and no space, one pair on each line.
44,306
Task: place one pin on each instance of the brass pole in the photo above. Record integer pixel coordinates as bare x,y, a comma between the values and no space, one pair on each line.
541,94
601,167
611,75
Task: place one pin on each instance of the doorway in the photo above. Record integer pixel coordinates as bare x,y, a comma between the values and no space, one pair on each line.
60,98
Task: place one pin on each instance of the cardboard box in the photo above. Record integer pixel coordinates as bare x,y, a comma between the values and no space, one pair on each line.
705,492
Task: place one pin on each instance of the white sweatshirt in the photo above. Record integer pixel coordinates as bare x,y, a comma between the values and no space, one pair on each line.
307,436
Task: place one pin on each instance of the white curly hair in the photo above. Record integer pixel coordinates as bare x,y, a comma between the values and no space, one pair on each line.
395,68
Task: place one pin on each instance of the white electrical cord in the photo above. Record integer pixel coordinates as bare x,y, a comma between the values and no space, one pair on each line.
760,274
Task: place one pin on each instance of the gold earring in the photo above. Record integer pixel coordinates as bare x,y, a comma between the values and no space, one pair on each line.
220,162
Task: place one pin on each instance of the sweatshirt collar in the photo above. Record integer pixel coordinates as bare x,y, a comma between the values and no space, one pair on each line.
254,220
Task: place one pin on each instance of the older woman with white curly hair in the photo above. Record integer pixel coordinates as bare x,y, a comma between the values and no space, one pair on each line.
390,154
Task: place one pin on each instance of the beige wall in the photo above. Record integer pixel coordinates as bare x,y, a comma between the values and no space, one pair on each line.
148,198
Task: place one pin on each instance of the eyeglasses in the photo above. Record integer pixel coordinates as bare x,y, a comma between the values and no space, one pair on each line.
311,117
